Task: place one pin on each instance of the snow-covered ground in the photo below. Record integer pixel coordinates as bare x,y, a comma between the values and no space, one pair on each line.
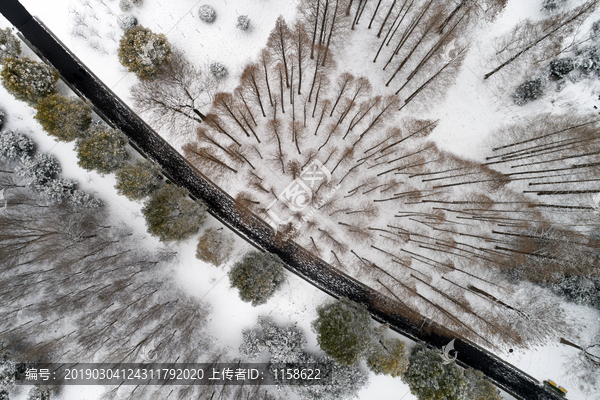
470,111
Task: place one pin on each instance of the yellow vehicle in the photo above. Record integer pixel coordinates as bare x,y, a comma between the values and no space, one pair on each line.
558,389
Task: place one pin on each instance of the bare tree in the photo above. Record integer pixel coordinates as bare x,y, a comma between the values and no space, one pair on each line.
180,99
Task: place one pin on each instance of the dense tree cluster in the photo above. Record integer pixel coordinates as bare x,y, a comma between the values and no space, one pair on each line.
285,346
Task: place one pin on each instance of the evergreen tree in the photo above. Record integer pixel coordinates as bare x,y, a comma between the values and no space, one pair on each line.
102,149
63,118
9,44
284,344
28,80
144,52
171,215
344,330
38,171
478,387
138,180
2,118
55,190
528,91
14,145
429,379
214,246
36,393
388,357
257,276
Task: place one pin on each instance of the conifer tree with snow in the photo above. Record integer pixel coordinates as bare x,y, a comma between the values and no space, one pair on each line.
102,149
257,277
144,52
388,357
38,171
214,246
284,344
9,44
344,330
429,379
65,119
2,118
171,215
15,145
478,387
528,91
28,80
36,393
138,180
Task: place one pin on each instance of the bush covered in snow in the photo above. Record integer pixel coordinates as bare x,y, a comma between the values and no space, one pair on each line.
531,90
127,21
101,149
214,246
257,277
144,52
9,44
65,119
125,5
14,146
137,180
560,67
218,70
207,13
2,118
28,80
553,5
243,22
171,215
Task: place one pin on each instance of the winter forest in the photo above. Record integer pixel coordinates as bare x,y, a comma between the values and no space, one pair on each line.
334,132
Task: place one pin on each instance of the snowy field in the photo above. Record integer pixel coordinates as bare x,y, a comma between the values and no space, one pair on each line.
468,114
